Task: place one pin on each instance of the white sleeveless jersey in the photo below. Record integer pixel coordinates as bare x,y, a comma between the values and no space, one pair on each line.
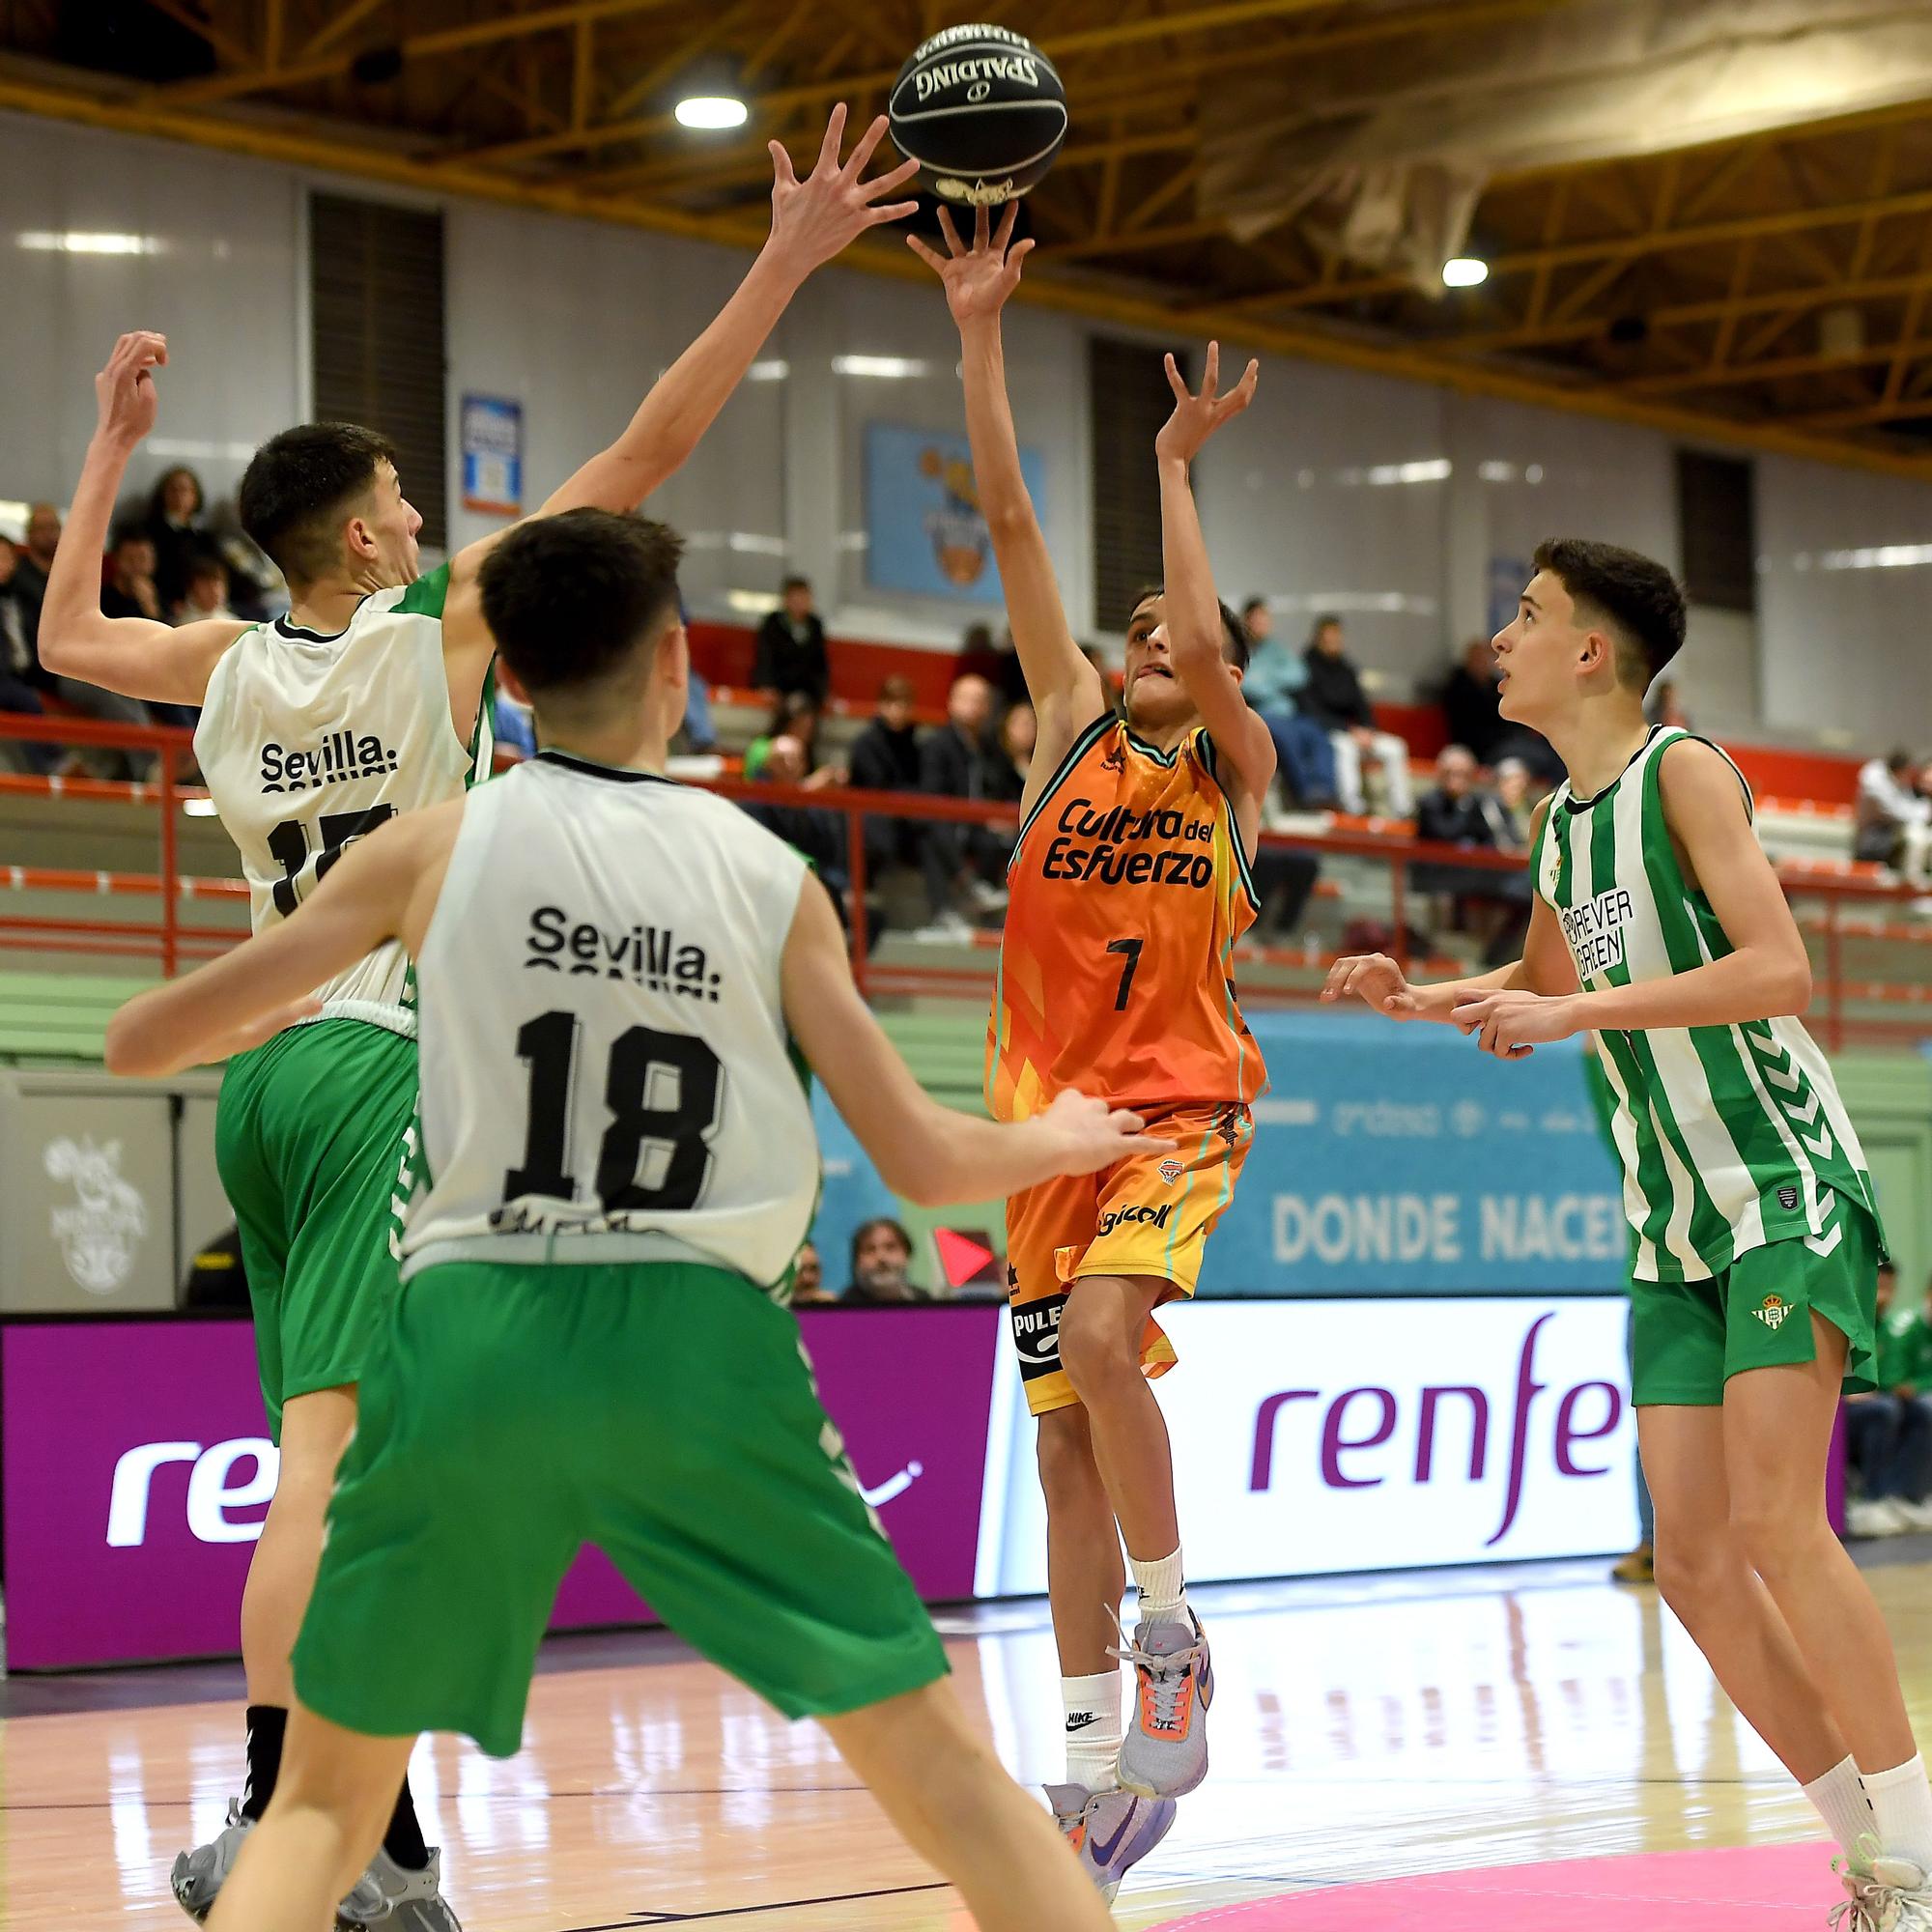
307,742
1730,1137
606,1071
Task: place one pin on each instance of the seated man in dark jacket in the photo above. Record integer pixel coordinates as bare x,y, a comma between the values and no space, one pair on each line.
1459,811
961,758
791,654
1334,698
885,757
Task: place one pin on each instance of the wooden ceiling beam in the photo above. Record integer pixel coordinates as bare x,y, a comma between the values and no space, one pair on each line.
1779,368
256,78
1783,223
339,23
747,229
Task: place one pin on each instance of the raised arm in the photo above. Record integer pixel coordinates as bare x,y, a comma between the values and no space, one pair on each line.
138,657
1067,691
922,1150
1245,746
384,888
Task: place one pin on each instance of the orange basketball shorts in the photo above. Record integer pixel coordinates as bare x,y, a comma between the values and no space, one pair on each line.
1148,1216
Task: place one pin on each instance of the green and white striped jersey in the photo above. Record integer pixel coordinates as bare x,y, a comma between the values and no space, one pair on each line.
1730,1136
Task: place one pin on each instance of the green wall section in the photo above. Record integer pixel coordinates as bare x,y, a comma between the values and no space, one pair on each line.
1888,1096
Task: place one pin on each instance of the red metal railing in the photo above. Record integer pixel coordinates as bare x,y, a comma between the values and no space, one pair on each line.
171,940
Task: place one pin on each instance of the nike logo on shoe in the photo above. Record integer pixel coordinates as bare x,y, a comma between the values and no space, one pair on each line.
1104,1851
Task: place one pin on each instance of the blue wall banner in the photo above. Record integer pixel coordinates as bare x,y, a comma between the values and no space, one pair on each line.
1399,1160
493,455
924,530
1388,1159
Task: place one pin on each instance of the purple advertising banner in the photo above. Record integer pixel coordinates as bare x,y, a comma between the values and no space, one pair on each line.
137,1472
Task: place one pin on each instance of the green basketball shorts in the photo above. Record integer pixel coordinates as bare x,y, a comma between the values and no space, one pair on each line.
664,1412
1690,1337
310,1138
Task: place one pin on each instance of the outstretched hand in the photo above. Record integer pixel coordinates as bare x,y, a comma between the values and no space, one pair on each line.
1196,419
1374,978
124,393
977,280
817,218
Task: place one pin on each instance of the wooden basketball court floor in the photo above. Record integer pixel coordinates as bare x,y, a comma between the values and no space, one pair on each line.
1362,1729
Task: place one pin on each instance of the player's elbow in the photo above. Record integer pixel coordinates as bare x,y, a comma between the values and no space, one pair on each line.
56,645
1794,986
129,1049
1008,514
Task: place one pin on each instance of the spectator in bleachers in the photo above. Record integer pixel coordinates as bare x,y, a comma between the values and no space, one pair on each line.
35,561
1457,811
1892,819
885,757
1518,795
808,1280
962,759
16,694
1472,704
818,834
1662,706
1889,1429
174,526
699,733
1334,698
514,725
881,1266
205,591
44,535
997,662
130,589
1019,738
796,717
791,654
1273,684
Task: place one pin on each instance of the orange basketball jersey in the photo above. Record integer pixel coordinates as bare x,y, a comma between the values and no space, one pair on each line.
1129,887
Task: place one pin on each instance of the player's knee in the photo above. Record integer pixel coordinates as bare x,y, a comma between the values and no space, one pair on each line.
1096,1352
1776,1533
1066,1453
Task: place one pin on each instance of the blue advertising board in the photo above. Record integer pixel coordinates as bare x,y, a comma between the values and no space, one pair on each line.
1402,1160
923,528
1386,1160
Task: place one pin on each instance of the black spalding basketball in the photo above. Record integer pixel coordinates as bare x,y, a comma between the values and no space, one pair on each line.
982,112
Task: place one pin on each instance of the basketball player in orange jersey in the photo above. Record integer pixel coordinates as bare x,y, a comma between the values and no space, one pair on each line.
1129,886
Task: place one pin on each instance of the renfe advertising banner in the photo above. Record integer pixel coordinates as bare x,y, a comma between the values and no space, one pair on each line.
1309,1437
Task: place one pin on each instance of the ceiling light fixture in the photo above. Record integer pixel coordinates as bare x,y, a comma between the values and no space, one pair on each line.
1465,271
711,111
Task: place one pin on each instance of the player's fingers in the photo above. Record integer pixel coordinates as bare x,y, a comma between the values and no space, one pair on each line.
982,228
1211,375
926,253
1145,1144
893,211
835,140
1019,253
1123,1120
1244,391
886,182
782,165
1175,380
862,152
1004,235
952,234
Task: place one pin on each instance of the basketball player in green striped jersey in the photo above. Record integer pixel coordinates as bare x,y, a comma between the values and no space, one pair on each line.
371,698
1659,924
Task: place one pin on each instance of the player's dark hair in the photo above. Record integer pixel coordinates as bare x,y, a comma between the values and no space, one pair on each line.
1635,593
299,486
1236,646
569,598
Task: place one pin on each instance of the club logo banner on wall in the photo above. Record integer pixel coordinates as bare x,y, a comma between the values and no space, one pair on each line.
924,532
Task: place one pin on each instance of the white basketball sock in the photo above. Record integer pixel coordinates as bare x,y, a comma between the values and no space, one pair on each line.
1093,1706
1839,1799
1901,1803
1162,1592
